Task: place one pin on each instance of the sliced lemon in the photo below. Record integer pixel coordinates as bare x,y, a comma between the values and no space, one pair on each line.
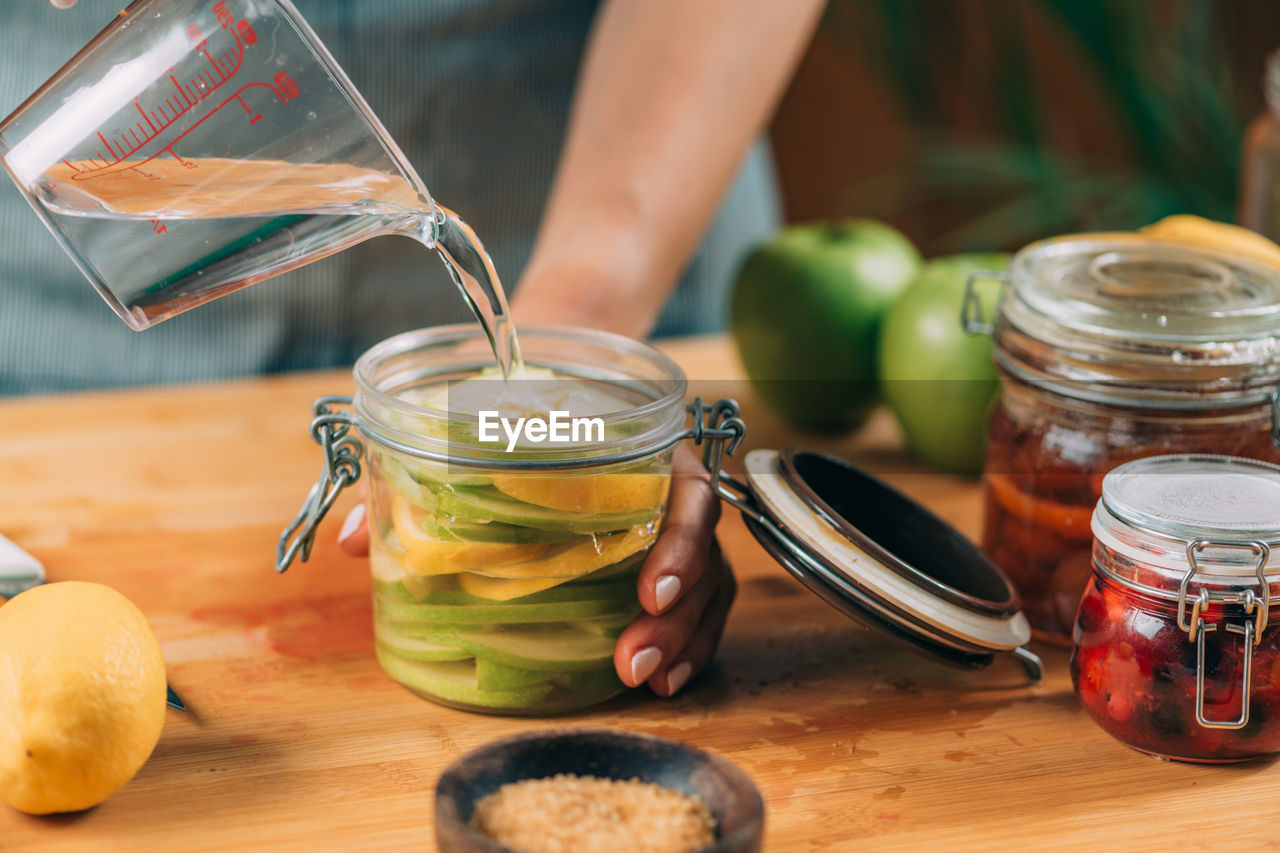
499,589
426,555
594,493
503,583
578,560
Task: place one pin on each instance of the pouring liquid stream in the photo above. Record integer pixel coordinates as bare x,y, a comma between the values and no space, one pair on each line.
250,220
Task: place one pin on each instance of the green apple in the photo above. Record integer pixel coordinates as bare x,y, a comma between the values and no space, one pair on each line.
806,312
939,379
565,602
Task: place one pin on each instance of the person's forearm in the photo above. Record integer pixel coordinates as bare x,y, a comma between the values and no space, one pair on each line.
671,94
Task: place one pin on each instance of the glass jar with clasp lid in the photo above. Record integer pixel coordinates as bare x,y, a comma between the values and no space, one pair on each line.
1112,348
504,562
1176,646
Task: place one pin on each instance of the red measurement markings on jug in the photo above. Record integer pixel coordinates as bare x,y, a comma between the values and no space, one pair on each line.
156,134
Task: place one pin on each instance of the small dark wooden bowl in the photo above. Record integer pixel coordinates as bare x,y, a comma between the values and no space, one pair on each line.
604,753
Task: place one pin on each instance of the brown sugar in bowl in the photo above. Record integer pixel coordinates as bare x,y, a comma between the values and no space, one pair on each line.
728,793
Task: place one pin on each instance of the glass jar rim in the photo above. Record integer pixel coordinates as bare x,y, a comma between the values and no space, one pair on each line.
661,416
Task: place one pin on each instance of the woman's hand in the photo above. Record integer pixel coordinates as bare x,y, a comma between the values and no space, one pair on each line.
685,585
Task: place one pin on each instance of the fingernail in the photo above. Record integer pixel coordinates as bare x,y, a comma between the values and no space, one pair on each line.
353,522
677,676
644,662
666,590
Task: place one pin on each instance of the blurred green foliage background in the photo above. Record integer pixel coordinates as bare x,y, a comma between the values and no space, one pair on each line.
986,124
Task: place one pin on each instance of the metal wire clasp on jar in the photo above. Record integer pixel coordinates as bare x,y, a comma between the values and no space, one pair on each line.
505,560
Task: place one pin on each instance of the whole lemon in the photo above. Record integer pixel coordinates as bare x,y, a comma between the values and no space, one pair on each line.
82,690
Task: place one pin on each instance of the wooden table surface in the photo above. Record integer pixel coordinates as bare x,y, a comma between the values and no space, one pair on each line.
296,740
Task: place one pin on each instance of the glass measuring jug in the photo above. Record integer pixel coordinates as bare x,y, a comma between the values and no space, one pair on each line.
196,147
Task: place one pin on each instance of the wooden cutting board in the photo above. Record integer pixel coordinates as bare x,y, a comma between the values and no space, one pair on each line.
295,739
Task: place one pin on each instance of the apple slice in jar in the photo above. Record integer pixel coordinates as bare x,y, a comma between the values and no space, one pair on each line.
416,648
497,676
548,648
563,603
426,555
469,530
455,681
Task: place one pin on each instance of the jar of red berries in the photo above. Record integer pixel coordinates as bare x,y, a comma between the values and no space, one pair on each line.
1176,645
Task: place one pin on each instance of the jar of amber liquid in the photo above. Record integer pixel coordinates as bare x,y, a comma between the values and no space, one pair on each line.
1176,646
1111,349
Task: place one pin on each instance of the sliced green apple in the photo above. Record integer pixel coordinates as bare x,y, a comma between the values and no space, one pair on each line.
603,680
545,648
553,605
428,555
607,626
415,648
455,681
405,484
497,676
466,530
406,586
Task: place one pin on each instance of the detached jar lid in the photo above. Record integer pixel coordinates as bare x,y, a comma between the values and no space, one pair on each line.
883,559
